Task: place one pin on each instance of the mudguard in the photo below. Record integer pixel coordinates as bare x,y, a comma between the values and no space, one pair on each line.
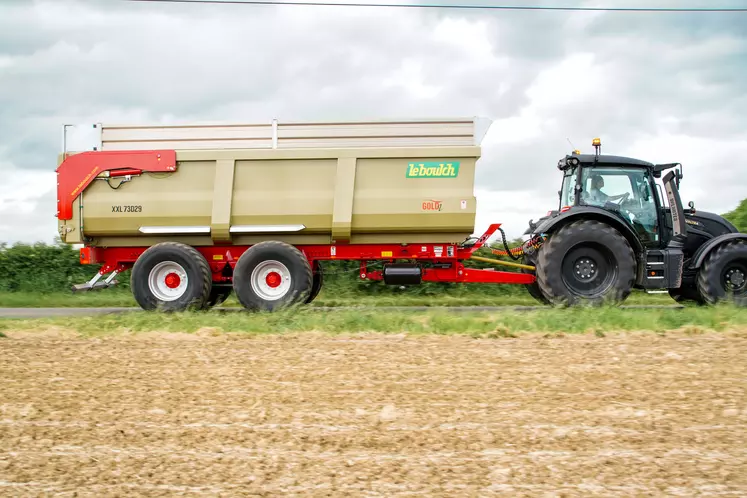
590,212
703,251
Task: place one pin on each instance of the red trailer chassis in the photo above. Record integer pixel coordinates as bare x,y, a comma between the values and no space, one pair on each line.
446,260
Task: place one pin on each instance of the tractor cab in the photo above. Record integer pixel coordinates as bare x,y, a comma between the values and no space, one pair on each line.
621,186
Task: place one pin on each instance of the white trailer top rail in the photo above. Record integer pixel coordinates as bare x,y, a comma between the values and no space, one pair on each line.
400,133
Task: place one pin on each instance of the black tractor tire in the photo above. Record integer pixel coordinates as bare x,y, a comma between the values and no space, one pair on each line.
687,294
271,276
218,295
533,289
723,274
155,287
586,262
317,282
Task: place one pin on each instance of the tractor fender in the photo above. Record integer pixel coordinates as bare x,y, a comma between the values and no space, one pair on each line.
590,213
703,251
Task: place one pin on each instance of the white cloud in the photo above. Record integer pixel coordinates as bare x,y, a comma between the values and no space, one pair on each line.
27,205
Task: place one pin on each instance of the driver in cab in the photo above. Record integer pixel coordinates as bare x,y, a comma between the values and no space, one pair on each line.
596,195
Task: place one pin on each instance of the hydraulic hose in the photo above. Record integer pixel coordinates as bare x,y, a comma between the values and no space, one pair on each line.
515,253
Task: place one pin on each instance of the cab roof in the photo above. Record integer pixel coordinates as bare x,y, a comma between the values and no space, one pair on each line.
591,159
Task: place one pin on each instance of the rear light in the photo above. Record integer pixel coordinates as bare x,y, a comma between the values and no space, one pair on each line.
565,208
85,256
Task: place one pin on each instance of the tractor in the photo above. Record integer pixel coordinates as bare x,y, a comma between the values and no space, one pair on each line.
615,230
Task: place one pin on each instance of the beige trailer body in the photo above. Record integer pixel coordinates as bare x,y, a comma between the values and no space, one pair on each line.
301,183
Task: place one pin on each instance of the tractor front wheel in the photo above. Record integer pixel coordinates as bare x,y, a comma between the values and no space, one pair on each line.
723,276
686,294
586,262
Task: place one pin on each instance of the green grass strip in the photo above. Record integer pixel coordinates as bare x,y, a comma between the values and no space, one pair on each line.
497,324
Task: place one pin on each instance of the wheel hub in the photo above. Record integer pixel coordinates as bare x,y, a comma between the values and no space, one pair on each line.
273,279
172,280
585,269
168,281
735,278
588,270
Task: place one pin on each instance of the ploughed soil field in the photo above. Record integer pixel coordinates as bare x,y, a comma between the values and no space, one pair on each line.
373,415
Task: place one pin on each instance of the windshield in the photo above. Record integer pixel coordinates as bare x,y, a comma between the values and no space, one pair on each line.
626,191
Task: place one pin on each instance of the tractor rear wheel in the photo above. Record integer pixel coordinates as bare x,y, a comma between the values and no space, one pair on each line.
272,275
533,289
723,276
586,262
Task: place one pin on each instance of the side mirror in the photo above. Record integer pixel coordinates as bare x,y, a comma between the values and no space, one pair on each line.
691,205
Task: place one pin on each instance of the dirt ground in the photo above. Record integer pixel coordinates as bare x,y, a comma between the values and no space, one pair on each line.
178,415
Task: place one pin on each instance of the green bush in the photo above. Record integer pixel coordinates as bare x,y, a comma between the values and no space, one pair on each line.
738,217
41,268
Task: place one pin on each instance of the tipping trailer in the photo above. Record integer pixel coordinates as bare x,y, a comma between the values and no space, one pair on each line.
199,211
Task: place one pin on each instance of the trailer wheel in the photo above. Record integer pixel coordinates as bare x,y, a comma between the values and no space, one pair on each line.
272,275
586,262
317,282
218,295
171,277
723,276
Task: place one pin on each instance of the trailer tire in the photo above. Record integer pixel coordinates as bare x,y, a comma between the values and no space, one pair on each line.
271,276
171,276
586,262
218,295
317,282
723,273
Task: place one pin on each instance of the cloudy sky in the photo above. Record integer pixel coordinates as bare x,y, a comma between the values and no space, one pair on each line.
662,87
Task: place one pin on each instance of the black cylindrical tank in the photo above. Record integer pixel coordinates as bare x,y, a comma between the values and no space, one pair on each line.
403,274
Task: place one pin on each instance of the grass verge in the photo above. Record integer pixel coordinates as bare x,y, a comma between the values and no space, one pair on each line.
598,321
121,298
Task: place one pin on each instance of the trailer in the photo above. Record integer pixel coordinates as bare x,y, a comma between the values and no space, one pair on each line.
199,211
